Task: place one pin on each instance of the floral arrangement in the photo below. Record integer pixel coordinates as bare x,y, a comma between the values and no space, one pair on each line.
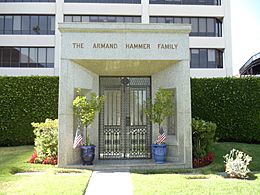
236,164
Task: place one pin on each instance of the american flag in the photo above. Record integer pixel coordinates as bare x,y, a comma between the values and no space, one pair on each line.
161,137
78,138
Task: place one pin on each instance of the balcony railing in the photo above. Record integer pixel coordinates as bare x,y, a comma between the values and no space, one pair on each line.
249,62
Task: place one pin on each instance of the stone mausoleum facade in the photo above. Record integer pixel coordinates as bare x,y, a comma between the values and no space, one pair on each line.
127,63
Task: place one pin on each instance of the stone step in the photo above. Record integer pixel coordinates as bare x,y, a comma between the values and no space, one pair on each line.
127,165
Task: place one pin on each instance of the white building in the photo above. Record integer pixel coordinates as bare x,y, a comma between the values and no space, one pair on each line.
28,27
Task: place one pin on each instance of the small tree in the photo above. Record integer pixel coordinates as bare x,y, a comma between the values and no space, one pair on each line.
85,108
162,107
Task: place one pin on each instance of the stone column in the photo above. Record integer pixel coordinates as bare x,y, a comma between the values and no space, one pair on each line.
177,77
66,126
72,76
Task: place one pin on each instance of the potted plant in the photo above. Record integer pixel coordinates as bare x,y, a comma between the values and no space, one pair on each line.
157,112
85,108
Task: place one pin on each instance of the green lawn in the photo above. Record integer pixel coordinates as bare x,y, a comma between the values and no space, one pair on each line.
51,180
183,184
67,181
221,149
206,180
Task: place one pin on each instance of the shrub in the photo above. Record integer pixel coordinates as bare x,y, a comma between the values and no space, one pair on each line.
236,164
24,100
232,103
46,141
202,137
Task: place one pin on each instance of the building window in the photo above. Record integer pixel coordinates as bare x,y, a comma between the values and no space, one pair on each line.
27,57
27,24
209,27
206,58
187,2
127,19
26,1
103,1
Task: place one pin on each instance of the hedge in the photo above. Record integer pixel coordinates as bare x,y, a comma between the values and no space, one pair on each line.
232,103
24,100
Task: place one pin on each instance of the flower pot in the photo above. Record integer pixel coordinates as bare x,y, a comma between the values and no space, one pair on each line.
159,153
87,154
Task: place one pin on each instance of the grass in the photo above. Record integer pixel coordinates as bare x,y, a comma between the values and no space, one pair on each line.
183,184
52,180
203,180
67,181
221,149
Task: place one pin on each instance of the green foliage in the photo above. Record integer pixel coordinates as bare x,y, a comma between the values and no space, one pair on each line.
86,107
24,100
162,107
46,141
202,137
232,103
236,164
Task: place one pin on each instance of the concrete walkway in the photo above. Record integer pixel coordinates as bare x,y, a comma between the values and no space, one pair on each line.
110,183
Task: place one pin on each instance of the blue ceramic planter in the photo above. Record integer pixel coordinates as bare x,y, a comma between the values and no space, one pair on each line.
87,154
159,153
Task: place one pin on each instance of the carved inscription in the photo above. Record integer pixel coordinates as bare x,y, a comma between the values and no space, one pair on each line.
78,45
130,46
137,46
167,46
105,46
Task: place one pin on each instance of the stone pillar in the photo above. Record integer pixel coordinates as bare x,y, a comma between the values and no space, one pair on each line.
72,76
66,126
177,77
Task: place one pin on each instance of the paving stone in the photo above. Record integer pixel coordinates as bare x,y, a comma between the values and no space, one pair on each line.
112,182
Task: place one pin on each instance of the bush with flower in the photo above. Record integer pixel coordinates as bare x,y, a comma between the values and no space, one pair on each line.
203,136
46,142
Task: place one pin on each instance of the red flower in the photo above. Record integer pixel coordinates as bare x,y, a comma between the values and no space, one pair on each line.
46,161
54,161
33,157
203,161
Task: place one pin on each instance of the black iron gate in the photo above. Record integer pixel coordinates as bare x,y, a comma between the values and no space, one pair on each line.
124,131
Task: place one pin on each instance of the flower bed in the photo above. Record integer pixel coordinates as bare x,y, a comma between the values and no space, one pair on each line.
48,160
203,161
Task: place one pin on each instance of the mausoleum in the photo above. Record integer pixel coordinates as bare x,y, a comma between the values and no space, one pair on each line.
127,63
